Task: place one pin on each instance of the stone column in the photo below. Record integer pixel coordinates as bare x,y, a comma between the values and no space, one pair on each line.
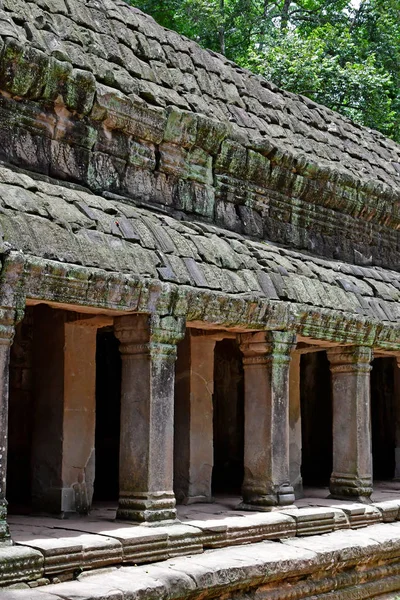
64,374
352,447
295,443
148,349
193,441
396,405
266,454
7,327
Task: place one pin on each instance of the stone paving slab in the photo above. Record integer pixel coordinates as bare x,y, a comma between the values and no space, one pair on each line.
341,565
65,550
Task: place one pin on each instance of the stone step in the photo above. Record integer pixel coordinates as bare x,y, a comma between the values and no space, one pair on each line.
342,565
49,548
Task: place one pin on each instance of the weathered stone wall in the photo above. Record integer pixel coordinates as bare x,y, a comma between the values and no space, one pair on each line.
98,94
74,247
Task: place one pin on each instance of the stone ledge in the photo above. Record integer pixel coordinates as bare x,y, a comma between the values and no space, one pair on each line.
18,563
340,565
91,545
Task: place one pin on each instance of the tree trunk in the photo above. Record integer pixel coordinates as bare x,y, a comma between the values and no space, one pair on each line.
222,42
285,15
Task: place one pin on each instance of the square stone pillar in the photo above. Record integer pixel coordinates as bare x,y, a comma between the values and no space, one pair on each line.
148,349
7,328
295,439
396,405
193,444
266,359
64,374
352,447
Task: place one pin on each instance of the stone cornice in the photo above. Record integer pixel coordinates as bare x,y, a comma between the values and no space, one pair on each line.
69,285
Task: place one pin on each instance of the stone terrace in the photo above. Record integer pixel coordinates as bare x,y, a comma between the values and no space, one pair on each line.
53,550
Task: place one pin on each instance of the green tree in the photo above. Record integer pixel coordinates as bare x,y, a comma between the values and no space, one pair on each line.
338,53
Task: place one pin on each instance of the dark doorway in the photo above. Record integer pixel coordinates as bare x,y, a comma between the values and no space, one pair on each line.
20,418
228,405
383,417
316,419
108,407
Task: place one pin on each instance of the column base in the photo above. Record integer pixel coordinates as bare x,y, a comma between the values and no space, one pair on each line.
147,507
355,489
267,502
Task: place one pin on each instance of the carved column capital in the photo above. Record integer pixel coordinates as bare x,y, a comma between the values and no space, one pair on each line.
350,359
8,321
149,334
267,346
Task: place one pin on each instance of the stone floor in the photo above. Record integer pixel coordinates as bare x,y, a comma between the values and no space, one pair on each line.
51,549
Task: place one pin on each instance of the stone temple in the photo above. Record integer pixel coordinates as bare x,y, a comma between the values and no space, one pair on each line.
200,301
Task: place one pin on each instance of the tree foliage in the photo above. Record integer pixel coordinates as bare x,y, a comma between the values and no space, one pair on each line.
342,53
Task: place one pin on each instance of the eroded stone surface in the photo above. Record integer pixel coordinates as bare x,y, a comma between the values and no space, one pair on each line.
187,255
224,136
19,564
351,559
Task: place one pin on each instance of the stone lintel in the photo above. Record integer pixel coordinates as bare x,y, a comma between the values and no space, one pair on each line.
266,358
148,350
352,446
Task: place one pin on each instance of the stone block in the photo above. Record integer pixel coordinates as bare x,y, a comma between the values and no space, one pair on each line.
232,159
341,520
33,594
181,128
312,521
141,544
259,527
232,531
133,117
23,69
229,568
389,509
60,554
361,515
339,546
177,585
214,532
183,540
18,563
100,551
